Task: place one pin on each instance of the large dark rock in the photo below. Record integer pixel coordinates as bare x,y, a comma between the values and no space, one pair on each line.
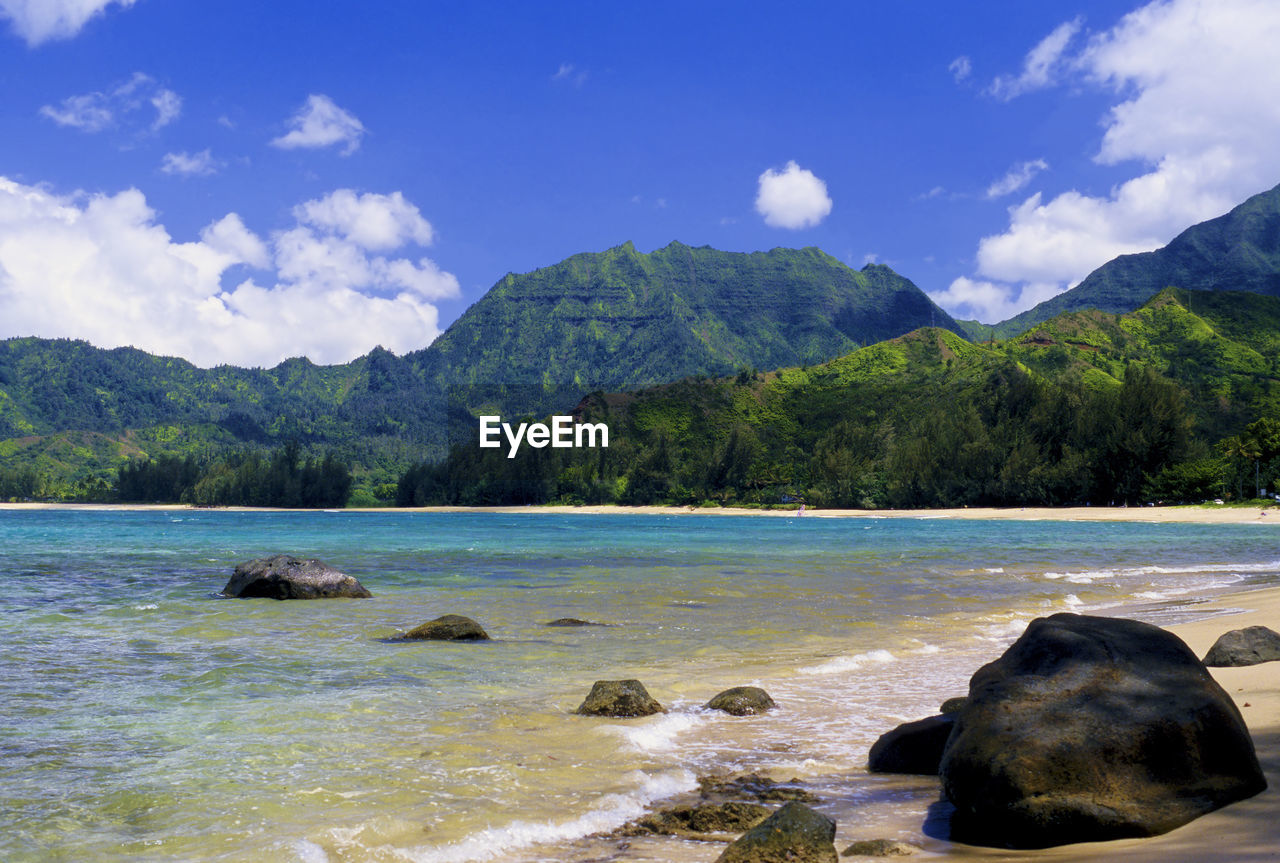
742,701
449,627
287,577
619,698
913,747
1093,728
1248,646
793,834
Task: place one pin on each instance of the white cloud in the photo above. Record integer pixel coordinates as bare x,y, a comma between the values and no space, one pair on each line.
321,123
123,105
986,301
570,74
371,221
168,105
792,198
101,268
961,68
1017,178
1191,117
228,236
186,164
1042,65
39,21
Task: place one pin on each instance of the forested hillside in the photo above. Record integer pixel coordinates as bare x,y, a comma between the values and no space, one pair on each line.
1161,403
71,414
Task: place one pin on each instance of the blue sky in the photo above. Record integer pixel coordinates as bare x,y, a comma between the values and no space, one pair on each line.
245,181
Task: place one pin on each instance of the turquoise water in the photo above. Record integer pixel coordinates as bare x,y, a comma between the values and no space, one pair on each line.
145,717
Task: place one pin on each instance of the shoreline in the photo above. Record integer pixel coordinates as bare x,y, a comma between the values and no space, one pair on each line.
1243,832
1150,515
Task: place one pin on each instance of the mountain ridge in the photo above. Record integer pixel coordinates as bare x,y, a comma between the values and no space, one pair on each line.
1239,250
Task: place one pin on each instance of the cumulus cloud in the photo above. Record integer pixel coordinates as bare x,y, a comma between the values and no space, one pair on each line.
126,104
960,68
792,198
988,301
370,221
39,21
186,164
1198,140
1043,64
1017,178
101,268
321,123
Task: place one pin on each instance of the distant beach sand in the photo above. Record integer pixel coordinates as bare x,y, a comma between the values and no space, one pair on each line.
1153,514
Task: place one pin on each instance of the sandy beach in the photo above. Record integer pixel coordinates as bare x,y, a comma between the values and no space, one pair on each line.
1153,515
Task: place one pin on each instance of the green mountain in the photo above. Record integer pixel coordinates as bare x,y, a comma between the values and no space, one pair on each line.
620,318
1239,251
535,342
1089,406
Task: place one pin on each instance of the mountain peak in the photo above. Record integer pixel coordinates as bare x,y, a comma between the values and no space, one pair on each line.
1237,251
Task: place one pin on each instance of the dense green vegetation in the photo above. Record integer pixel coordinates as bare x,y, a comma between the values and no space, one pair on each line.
1090,407
1239,251
71,414
248,478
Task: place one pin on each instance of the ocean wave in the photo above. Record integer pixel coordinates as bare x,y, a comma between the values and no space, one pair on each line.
1089,576
656,734
612,812
849,663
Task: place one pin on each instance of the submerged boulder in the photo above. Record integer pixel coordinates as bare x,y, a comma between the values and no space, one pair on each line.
699,819
1093,728
793,834
449,627
880,848
573,621
742,701
619,698
284,576
755,786
913,747
1249,646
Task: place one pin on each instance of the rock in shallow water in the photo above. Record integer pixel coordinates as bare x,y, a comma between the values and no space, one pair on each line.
793,834
287,577
913,747
1249,646
449,627
880,848
698,819
1092,728
619,698
742,701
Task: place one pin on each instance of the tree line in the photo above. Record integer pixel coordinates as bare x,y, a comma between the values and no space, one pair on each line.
1003,437
282,478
